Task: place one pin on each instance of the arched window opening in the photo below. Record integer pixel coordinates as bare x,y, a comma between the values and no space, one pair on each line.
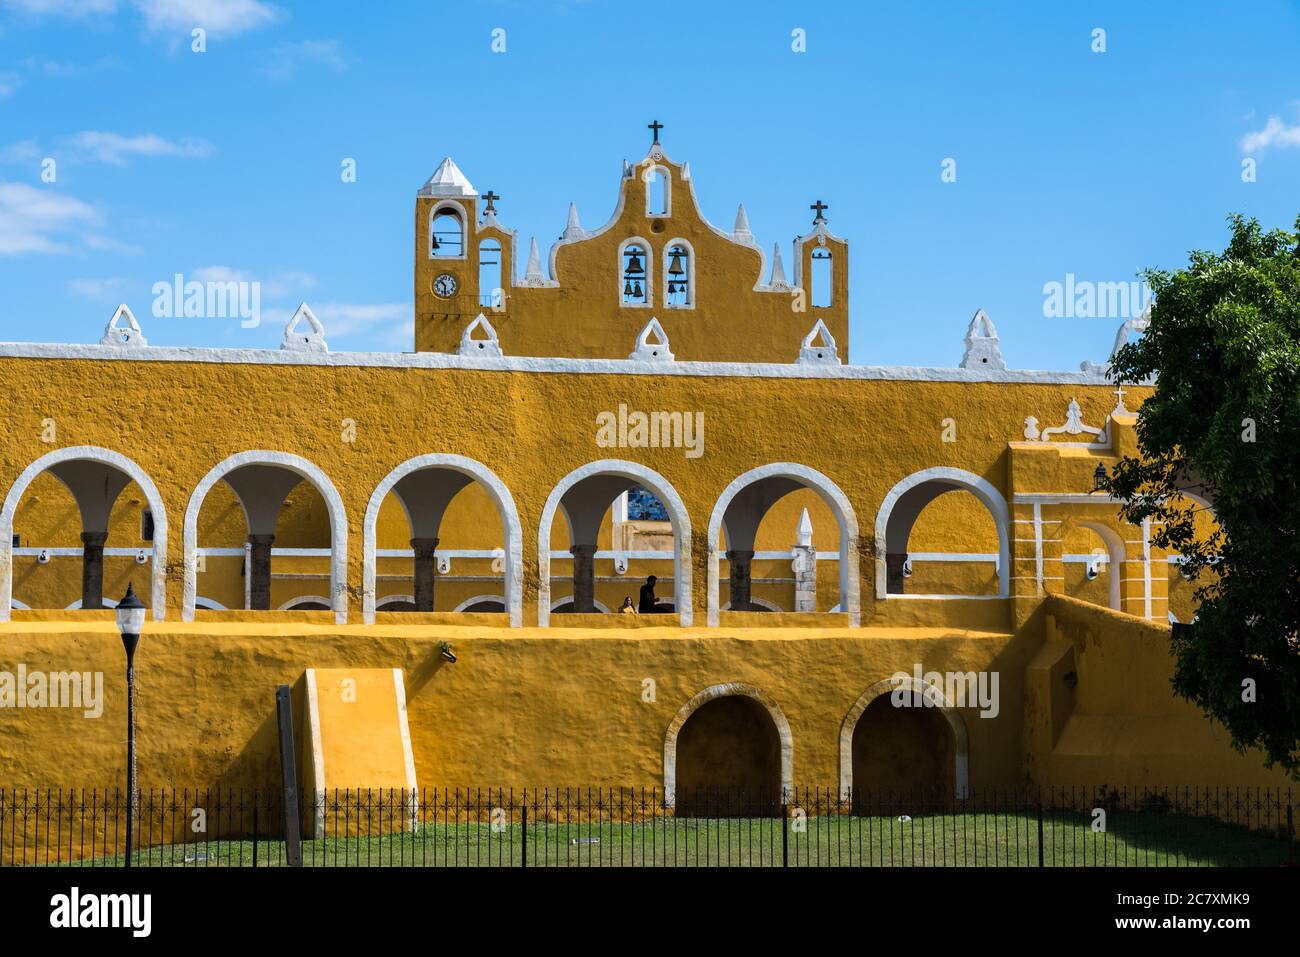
679,276
636,290
447,235
822,278
644,506
490,293
656,192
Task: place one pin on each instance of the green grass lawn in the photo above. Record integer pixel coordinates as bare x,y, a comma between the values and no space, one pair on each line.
973,839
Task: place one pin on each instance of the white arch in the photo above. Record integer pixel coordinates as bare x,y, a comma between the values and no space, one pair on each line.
456,209
463,605
393,599
648,283
960,742
304,468
15,603
208,603
728,689
303,600
158,565
1116,552
104,602
505,503
979,487
690,273
647,478
595,603
850,587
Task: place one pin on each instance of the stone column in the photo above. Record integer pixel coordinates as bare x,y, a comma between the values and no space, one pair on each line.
92,569
894,577
259,571
426,570
584,578
740,560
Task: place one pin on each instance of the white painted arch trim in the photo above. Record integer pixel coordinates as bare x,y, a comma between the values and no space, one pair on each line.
104,603
307,470
496,489
726,690
463,605
960,740
208,603
662,489
831,494
981,488
769,605
157,567
293,603
390,599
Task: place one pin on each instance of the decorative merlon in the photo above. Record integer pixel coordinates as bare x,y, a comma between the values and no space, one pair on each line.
982,346
652,344
818,346
488,345
1138,325
129,338
297,340
533,275
804,531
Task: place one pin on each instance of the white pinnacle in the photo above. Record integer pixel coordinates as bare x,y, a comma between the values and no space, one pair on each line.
805,529
741,233
573,230
534,272
778,280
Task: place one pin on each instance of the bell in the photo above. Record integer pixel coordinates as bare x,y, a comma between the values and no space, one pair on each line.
627,288
636,290
675,268
634,267
435,242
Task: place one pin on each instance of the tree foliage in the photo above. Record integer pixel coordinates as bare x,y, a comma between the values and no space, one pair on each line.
1223,426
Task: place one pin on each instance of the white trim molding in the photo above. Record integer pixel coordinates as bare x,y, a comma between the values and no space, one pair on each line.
293,603
960,740
497,491
90,453
662,490
307,470
712,693
835,499
981,488
500,599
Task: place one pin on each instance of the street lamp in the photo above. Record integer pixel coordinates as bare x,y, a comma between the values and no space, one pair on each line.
130,622
1099,478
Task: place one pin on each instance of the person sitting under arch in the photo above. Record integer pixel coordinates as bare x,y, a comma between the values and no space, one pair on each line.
649,604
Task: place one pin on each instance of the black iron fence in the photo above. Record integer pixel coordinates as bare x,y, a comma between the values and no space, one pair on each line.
548,827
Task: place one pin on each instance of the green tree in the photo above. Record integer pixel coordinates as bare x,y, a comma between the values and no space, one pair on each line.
1224,425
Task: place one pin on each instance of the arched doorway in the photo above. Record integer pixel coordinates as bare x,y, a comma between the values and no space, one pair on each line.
585,497
95,477
739,511
903,506
261,482
902,740
427,487
728,752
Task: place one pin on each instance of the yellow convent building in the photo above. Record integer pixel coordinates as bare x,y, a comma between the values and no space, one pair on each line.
658,396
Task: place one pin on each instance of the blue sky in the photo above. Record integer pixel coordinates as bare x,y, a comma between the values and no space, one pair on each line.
227,162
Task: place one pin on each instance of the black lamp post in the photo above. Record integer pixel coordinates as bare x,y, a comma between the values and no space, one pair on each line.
130,621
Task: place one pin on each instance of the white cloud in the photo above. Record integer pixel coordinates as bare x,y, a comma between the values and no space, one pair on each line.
73,9
111,244
116,149
288,58
1274,133
38,221
218,17
103,289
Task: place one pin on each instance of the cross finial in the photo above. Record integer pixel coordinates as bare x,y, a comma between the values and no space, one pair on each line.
656,126
491,198
820,208
1119,401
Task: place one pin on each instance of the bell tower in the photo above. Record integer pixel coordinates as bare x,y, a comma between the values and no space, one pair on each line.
446,274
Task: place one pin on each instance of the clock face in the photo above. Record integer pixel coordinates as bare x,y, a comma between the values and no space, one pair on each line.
445,285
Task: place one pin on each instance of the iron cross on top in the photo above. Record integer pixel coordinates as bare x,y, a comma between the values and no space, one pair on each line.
820,208
491,198
656,126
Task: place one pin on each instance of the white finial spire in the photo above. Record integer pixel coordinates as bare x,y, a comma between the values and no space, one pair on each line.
533,274
448,180
741,233
982,345
573,229
310,340
805,529
116,335
778,280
